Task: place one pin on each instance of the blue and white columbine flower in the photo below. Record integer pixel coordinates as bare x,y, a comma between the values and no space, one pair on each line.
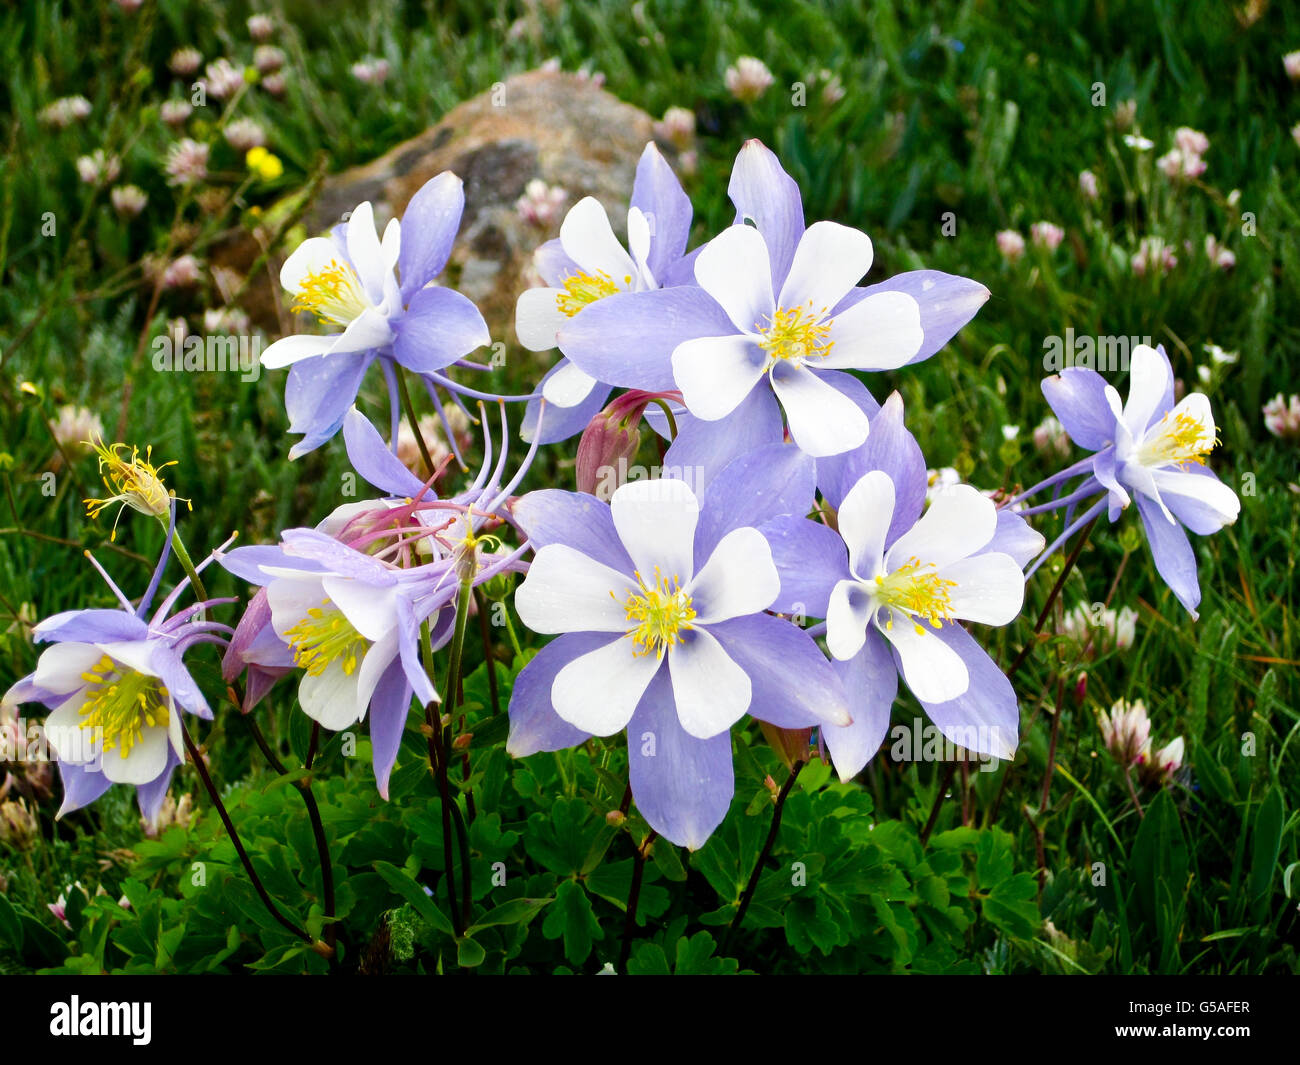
347,280
659,601
1152,451
587,264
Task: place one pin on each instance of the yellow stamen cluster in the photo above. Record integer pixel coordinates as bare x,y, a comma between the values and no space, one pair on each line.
657,615
134,482
122,703
333,294
918,590
583,289
323,637
1180,439
796,333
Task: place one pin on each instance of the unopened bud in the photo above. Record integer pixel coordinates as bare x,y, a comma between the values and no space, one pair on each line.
615,818
462,741
607,445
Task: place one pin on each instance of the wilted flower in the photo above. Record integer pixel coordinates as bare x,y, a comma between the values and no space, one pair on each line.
185,61
134,482
64,112
267,58
187,162
1088,184
748,78
175,112
171,812
128,200
540,204
1050,435
245,133
260,27
677,127
408,449
1046,235
1281,418
1126,731
98,168
371,71
1011,245
223,78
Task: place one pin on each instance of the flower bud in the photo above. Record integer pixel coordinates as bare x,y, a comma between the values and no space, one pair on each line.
790,744
615,818
608,443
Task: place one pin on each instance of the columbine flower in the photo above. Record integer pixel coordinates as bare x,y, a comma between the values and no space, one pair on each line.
1126,731
659,599
98,168
245,133
540,204
176,113
774,322
586,265
1088,184
1046,235
65,111
187,162
1151,448
116,686
128,200
223,78
348,281
748,78
1281,418
1291,64
1011,245
892,603
185,61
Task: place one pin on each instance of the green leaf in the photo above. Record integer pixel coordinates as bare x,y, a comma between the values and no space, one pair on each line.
1159,854
413,893
469,954
571,917
11,927
516,911
1012,906
1266,841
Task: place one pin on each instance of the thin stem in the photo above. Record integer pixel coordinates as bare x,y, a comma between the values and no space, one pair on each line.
438,764
948,772
485,633
668,413
1132,794
187,564
752,886
633,900
415,422
197,758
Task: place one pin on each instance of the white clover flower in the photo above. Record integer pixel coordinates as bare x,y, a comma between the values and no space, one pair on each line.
185,61
64,112
128,200
1046,235
748,78
187,162
1011,245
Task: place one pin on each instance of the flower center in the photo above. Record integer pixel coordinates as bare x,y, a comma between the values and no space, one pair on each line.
583,289
1180,439
796,333
332,293
134,481
122,704
323,637
917,589
657,615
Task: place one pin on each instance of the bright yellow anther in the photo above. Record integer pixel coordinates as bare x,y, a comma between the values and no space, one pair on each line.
796,333
324,637
583,289
916,589
121,704
333,294
658,614
1179,439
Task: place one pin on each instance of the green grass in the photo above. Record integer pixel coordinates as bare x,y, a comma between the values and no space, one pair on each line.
981,110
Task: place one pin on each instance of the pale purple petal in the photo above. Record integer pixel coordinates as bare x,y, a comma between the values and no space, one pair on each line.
374,460
870,680
440,327
1172,552
389,706
1015,537
534,724
704,448
769,197
560,423
986,718
90,626
318,394
658,194
81,787
769,481
581,521
149,797
810,558
947,303
1077,397
428,231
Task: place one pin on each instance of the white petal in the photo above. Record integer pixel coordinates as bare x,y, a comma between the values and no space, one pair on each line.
565,591
391,246
1213,493
990,588
712,693
598,692
958,523
63,730
881,332
1148,379
538,318
331,697
932,669
823,420
568,386
656,522
290,349
734,268
864,519
829,261
372,611
369,329
134,654
588,239
847,618
365,252
59,668
147,759
739,578
310,257
638,243
290,598
377,659
716,373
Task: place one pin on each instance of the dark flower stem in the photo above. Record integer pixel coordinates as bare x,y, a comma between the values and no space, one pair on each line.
633,900
752,886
